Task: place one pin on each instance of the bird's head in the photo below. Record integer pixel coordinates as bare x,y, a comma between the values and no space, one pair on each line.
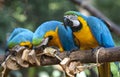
71,19
46,37
41,42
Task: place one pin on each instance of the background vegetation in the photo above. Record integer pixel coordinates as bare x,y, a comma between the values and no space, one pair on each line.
31,13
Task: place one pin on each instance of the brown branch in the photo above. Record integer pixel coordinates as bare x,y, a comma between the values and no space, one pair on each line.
87,56
112,26
1,58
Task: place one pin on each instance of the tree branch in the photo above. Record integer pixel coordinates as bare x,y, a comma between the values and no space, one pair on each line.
15,62
112,26
87,56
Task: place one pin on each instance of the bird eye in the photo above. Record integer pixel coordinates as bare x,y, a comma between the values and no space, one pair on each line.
50,37
26,46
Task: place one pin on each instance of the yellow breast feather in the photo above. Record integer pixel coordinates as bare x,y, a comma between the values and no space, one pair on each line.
55,39
27,43
85,37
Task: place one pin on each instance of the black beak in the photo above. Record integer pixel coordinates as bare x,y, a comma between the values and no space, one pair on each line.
67,22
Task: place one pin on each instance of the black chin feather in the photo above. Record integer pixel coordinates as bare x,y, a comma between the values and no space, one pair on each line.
75,29
69,23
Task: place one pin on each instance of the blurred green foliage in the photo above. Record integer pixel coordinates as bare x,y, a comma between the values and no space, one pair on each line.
31,13
110,8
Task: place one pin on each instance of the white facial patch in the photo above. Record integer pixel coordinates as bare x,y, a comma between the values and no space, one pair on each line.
75,23
74,19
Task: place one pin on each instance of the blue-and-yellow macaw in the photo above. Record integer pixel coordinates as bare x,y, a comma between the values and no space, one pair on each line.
90,32
54,33
20,36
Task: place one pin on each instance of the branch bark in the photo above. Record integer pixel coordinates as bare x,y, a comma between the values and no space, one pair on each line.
87,56
112,26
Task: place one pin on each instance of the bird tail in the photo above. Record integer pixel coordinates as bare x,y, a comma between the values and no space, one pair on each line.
104,70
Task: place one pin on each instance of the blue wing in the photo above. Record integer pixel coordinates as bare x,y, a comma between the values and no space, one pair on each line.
66,38
100,32
46,26
22,36
15,32
42,29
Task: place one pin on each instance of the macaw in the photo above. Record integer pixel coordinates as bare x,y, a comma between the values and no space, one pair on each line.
20,36
90,32
54,33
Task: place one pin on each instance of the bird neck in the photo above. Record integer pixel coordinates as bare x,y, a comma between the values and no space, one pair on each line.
55,41
84,36
85,28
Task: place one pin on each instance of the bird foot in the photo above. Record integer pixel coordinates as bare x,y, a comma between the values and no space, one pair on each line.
95,49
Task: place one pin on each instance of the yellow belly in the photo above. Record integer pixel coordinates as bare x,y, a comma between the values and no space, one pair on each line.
55,41
85,39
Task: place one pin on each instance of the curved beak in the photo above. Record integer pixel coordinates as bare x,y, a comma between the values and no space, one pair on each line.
67,22
43,43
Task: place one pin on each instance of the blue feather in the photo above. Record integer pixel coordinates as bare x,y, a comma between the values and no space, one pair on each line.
15,32
45,27
65,36
100,32
19,35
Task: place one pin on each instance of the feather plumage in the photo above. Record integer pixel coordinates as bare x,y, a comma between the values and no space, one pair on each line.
49,28
91,32
18,36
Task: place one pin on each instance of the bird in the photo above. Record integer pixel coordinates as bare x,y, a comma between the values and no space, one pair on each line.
90,32
53,34
56,35
20,36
